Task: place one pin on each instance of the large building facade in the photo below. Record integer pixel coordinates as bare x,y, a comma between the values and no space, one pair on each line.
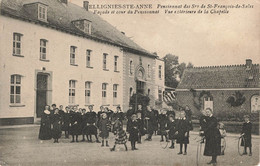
52,51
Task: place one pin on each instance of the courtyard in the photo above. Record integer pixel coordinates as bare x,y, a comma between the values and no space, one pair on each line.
20,146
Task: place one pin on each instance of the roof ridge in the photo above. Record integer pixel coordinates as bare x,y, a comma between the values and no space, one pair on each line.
221,66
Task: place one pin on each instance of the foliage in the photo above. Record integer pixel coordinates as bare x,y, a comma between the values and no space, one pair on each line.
137,99
197,100
174,70
236,99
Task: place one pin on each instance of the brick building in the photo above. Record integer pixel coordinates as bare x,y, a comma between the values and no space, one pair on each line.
222,88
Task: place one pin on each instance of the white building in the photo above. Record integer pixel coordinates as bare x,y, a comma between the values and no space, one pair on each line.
52,51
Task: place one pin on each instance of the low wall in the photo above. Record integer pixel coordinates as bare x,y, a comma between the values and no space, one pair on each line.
231,127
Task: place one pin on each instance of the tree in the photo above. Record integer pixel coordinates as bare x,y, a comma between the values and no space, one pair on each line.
137,99
174,70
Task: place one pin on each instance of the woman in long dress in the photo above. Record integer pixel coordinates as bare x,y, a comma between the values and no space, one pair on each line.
56,130
45,129
213,137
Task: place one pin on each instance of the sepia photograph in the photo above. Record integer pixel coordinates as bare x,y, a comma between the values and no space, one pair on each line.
129,82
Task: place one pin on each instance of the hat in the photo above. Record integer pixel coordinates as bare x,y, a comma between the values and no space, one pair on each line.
134,115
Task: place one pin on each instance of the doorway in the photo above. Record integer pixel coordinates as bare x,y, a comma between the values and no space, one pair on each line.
41,93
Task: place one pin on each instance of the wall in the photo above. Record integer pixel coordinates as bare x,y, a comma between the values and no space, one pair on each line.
58,54
219,100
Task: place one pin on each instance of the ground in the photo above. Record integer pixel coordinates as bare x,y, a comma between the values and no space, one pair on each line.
21,146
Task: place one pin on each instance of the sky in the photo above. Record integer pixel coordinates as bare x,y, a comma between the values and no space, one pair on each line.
203,40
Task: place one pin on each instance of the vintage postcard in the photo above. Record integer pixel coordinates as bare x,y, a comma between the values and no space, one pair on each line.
129,82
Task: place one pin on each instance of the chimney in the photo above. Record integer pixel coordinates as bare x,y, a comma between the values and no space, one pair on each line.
85,5
248,63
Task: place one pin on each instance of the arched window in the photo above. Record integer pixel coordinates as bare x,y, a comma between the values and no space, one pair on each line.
130,92
255,103
131,68
148,71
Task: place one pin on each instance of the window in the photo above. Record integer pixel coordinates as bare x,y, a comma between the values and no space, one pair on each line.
43,49
131,68
130,92
87,92
15,89
88,58
104,61
255,103
73,55
83,25
140,87
148,71
115,63
104,93
42,12
148,92
17,45
160,71
208,103
160,94
115,86
72,91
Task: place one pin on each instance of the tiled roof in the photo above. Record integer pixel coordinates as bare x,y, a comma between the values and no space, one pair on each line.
216,77
61,15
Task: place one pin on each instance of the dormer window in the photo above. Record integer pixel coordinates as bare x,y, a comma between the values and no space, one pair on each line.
83,25
42,12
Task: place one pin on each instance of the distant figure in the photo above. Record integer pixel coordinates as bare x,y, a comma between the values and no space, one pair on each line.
133,132
246,133
75,128
66,122
183,132
171,128
91,128
163,124
188,113
149,122
45,129
212,136
104,127
56,130
121,137
223,134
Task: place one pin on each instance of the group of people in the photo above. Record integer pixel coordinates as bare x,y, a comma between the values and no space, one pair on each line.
76,121
171,127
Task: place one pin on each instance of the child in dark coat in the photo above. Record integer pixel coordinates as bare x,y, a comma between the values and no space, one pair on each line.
163,124
246,133
65,122
171,128
75,121
133,131
121,137
140,123
104,127
183,132
56,130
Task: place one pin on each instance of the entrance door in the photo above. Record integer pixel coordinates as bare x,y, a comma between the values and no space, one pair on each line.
41,93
